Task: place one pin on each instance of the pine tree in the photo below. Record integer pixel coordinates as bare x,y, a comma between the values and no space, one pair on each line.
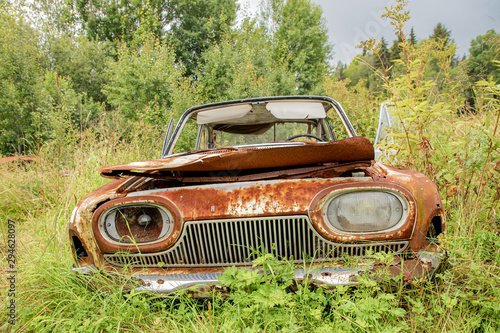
339,71
383,59
395,50
413,37
440,33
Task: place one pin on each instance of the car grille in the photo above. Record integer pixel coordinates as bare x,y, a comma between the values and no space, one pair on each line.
239,241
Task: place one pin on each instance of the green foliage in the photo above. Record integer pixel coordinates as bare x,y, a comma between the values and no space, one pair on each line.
19,74
361,104
58,111
119,20
395,50
440,33
199,24
359,70
300,32
244,65
384,56
39,105
52,18
484,51
416,105
190,26
413,37
146,83
82,60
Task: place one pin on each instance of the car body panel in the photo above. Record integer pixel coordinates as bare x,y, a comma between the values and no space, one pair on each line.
228,158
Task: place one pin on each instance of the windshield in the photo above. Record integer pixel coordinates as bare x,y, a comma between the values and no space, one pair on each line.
234,135
255,123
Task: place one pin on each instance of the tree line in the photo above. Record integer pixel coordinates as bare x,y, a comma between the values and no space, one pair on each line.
67,64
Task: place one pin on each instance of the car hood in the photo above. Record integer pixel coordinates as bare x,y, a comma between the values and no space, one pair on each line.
245,158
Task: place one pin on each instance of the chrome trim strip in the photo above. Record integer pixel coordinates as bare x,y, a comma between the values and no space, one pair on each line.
163,283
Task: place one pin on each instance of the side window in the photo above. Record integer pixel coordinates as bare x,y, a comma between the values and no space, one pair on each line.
382,127
187,137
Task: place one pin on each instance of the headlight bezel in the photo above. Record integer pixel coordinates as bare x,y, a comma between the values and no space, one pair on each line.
403,230
114,237
329,199
109,245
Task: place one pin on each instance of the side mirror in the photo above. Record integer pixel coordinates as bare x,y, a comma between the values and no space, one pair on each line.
167,138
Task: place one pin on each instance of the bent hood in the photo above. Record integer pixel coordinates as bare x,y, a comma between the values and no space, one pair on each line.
262,157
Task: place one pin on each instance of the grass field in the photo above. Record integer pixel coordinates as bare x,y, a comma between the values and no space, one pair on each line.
463,298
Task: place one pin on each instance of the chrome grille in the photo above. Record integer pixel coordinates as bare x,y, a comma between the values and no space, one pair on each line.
239,241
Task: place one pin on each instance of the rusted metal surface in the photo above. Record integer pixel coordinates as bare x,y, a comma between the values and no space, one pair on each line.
18,159
427,200
108,247
271,198
259,198
325,170
80,224
347,150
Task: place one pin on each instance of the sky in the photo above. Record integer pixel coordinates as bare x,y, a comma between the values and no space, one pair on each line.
352,21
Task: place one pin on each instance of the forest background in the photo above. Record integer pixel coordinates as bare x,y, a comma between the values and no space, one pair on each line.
85,84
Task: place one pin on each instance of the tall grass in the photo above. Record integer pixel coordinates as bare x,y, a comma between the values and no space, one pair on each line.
463,298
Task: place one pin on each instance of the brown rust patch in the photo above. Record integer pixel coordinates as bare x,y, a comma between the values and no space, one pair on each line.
346,150
266,198
325,170
128,228
427,199
412,269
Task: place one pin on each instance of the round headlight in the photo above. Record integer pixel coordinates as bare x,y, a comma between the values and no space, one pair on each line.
365,211
135,223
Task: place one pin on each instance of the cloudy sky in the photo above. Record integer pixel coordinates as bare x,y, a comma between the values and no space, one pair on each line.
352,21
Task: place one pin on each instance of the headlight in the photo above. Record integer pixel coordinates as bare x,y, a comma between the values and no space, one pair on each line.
135,223
367,211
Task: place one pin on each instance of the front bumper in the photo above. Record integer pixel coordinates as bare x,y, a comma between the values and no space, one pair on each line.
424,264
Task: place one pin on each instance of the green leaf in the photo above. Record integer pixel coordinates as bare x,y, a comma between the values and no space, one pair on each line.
487,122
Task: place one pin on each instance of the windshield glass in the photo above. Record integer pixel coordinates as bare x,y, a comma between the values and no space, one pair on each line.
257,123
233,135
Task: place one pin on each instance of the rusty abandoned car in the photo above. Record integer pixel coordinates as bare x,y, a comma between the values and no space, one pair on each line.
281,175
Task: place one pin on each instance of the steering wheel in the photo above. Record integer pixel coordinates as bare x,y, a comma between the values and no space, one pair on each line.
306,135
